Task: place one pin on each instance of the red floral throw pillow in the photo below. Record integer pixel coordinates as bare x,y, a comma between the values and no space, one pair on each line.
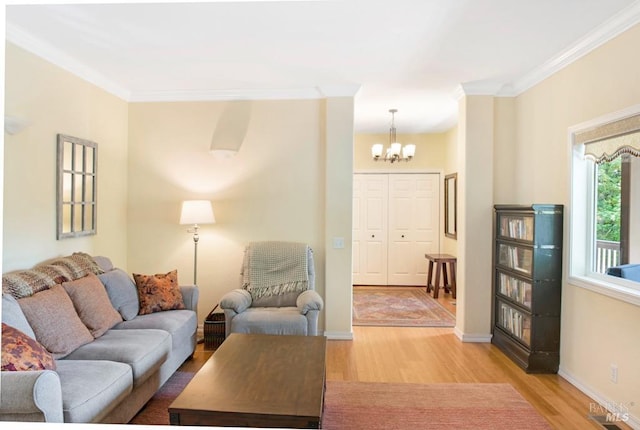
21,352
158,292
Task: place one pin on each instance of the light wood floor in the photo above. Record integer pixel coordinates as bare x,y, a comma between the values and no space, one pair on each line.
436,355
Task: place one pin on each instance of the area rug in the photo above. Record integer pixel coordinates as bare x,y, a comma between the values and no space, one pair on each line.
156,411
398,307
374,405
377,406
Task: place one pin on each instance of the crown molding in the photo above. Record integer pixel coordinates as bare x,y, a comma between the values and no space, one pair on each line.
55,56
225,95
476,89
611,28
246,94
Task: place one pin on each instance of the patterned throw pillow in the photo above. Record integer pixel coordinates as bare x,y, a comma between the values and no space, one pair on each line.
158,292
21,352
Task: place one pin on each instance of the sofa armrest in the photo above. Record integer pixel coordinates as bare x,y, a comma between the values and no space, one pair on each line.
309,300
237,300
27,395
190,296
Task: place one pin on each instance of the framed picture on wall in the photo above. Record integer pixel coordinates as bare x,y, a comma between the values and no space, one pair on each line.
77,187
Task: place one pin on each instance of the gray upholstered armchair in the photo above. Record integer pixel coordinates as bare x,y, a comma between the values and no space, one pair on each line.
278,292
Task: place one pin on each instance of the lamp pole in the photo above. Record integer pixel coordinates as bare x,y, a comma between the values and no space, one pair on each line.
196,237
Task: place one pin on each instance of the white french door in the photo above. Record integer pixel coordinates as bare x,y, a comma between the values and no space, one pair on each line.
395,223
370,214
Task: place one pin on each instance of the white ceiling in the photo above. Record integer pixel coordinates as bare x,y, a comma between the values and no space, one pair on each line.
412,55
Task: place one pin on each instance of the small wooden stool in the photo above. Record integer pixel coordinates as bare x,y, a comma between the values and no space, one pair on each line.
441,261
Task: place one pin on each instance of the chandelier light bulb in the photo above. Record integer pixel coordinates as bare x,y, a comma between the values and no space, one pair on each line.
395,151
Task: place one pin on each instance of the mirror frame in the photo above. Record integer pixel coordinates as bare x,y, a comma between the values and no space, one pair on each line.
451,206
77,173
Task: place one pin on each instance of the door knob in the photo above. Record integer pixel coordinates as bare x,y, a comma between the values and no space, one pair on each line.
403,235
373,235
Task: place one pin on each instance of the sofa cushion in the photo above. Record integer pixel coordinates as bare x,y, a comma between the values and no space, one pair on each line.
122,292
12,314
103,262
92,304
181,324
21,352
287,320
159,292
92,388
55,322
143,350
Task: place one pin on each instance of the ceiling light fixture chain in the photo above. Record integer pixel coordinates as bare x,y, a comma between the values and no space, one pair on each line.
395,152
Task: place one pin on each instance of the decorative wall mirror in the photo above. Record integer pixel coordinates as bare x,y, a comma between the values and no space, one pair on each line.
77,186
451,206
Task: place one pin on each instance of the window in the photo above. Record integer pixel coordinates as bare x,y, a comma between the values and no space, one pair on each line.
605,204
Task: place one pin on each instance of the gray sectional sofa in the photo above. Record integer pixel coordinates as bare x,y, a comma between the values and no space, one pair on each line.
109,379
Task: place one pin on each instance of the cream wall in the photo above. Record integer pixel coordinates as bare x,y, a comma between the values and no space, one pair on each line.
275,188
450,246
54,101
475,145
596,330
338,213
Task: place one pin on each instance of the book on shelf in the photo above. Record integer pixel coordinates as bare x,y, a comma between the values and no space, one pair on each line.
517,227
516,258
516,289
515,322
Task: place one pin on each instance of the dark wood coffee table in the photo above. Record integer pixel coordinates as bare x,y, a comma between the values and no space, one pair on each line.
256,380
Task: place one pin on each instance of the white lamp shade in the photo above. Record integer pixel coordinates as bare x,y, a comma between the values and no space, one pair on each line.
396,148
376,150
409,150
197,212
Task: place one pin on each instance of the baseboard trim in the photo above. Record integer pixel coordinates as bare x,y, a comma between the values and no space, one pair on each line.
472,337
339,335
630,420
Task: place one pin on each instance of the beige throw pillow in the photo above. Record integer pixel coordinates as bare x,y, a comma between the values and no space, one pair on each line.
92,304
54,321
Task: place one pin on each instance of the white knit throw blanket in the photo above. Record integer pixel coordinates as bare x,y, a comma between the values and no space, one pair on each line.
275,268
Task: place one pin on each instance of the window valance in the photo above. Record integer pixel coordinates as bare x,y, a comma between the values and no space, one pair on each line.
609,141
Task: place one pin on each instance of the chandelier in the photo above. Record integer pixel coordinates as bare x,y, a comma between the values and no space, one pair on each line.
395,151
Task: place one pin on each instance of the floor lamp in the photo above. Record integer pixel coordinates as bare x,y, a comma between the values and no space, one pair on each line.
196,212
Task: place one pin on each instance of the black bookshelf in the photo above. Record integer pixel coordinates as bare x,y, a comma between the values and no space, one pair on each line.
527,284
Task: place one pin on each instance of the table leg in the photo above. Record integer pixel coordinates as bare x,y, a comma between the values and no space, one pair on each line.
429,277
453,279
436,287
447,287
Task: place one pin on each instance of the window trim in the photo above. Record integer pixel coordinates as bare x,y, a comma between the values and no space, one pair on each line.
581,217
